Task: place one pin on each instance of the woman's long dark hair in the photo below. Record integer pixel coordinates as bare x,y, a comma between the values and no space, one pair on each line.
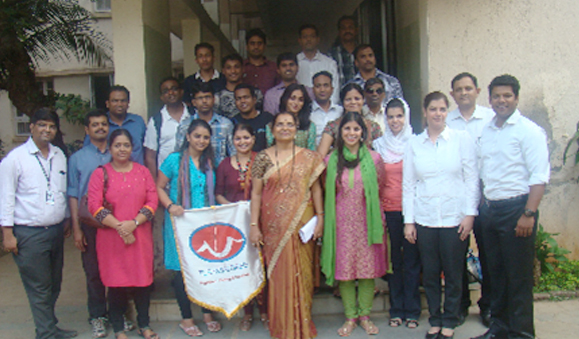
207,157
342,162
349,87
304,113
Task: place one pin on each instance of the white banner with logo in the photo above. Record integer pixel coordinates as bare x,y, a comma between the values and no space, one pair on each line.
221,270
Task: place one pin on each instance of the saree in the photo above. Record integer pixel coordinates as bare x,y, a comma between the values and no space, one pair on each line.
286,205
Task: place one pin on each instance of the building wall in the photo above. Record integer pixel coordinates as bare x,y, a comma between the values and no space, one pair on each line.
534,42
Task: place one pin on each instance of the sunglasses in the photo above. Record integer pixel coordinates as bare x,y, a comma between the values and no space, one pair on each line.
377,90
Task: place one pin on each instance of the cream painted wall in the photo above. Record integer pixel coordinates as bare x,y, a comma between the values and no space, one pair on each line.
536,42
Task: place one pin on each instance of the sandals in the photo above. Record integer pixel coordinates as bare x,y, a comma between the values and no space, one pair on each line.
147,333
412,323
213,326
265,322
347,328
192,331
245,324
369,326
121,334
395,322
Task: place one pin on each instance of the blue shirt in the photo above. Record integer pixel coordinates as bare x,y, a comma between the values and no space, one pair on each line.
136,126
197,180
391,84
80,167
221,136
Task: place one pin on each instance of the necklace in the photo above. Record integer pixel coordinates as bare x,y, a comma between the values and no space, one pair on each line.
242,171
292,171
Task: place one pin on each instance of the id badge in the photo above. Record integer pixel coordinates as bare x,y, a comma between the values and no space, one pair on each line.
49,198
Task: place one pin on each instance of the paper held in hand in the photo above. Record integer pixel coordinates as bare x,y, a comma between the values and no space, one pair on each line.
307,231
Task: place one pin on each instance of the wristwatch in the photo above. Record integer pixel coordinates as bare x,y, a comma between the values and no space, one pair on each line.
529,213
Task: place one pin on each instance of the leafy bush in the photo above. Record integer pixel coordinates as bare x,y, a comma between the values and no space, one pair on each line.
73,107
548,251
564,277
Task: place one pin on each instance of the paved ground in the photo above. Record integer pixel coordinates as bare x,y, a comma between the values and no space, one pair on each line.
553,320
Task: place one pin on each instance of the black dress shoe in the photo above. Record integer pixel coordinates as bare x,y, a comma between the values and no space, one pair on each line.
442,336
490,335
486,317
432,335
65,334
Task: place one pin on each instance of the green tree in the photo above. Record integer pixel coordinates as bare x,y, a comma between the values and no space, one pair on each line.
40,30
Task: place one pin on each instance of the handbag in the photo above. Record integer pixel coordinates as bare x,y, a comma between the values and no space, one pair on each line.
83,213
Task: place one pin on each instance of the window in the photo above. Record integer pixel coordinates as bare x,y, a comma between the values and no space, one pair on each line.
102,5
22,120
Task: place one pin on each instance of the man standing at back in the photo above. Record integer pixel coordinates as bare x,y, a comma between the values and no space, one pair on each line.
245,99
514,163
323,109
162,127
205,58
342,50
33,208
365,60
257,70
312,61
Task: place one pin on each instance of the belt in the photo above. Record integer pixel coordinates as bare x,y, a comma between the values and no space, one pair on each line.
501,202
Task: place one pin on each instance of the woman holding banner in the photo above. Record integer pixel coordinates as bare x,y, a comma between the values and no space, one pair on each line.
354,247
192,181
286,194
233,185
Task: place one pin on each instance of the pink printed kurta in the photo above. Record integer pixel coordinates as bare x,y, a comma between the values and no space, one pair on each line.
123,265
354,258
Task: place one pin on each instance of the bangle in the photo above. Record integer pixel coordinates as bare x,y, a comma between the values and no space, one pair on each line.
169,206
320,213
253,224
136,221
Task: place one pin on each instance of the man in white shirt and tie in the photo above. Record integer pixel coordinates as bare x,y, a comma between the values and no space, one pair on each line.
514,162
33,203
470,117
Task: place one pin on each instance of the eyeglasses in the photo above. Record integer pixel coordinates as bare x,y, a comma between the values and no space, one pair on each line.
167,90
377,90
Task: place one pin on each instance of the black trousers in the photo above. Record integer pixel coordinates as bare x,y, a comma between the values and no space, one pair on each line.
118,302
96,291
510,261
441,250
484,303
40,260
182,298
405,278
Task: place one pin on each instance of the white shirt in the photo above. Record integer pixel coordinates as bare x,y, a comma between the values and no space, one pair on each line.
308,68
320,118
513,157
440,183
168,132
24,187
379,118
474,126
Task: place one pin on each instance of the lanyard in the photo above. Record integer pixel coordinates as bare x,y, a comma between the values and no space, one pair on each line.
46,175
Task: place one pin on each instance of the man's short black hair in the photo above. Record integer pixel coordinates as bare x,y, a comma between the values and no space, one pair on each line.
462,76
372,82
204,45
360,48
119,88
255,32
231,57
46,114
201,87
326,73
308,26
93,114
169,78
246,86
505,80
286,56
347,17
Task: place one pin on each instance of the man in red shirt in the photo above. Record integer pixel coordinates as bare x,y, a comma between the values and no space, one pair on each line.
258,71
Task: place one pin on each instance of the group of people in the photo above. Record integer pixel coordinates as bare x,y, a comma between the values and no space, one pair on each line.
308,137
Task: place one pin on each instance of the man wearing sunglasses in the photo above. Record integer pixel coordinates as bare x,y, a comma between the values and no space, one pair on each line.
374,95
365,61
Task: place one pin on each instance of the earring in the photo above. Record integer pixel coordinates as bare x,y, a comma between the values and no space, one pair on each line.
361,139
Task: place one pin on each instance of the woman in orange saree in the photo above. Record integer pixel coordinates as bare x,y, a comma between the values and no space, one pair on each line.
286,194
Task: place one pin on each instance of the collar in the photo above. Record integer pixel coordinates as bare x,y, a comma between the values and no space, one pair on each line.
302,56
94,149
33,149
513,119
167,116
316,106
444,135
366,111
128,117
215,75
455,114
247,62
214,117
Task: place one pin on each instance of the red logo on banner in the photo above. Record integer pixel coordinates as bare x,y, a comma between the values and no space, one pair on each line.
217,242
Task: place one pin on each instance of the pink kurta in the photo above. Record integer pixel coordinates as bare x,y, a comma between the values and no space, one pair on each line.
354,258
123,265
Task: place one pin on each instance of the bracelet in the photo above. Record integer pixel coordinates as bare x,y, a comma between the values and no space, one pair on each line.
136,221
320,213
169,206
253,224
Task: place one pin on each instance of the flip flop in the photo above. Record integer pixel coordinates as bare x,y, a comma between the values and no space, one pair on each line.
192,331
151,335
411,323
213,326
395,322
245,324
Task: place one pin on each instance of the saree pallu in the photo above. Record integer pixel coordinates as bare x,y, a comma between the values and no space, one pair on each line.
286,206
